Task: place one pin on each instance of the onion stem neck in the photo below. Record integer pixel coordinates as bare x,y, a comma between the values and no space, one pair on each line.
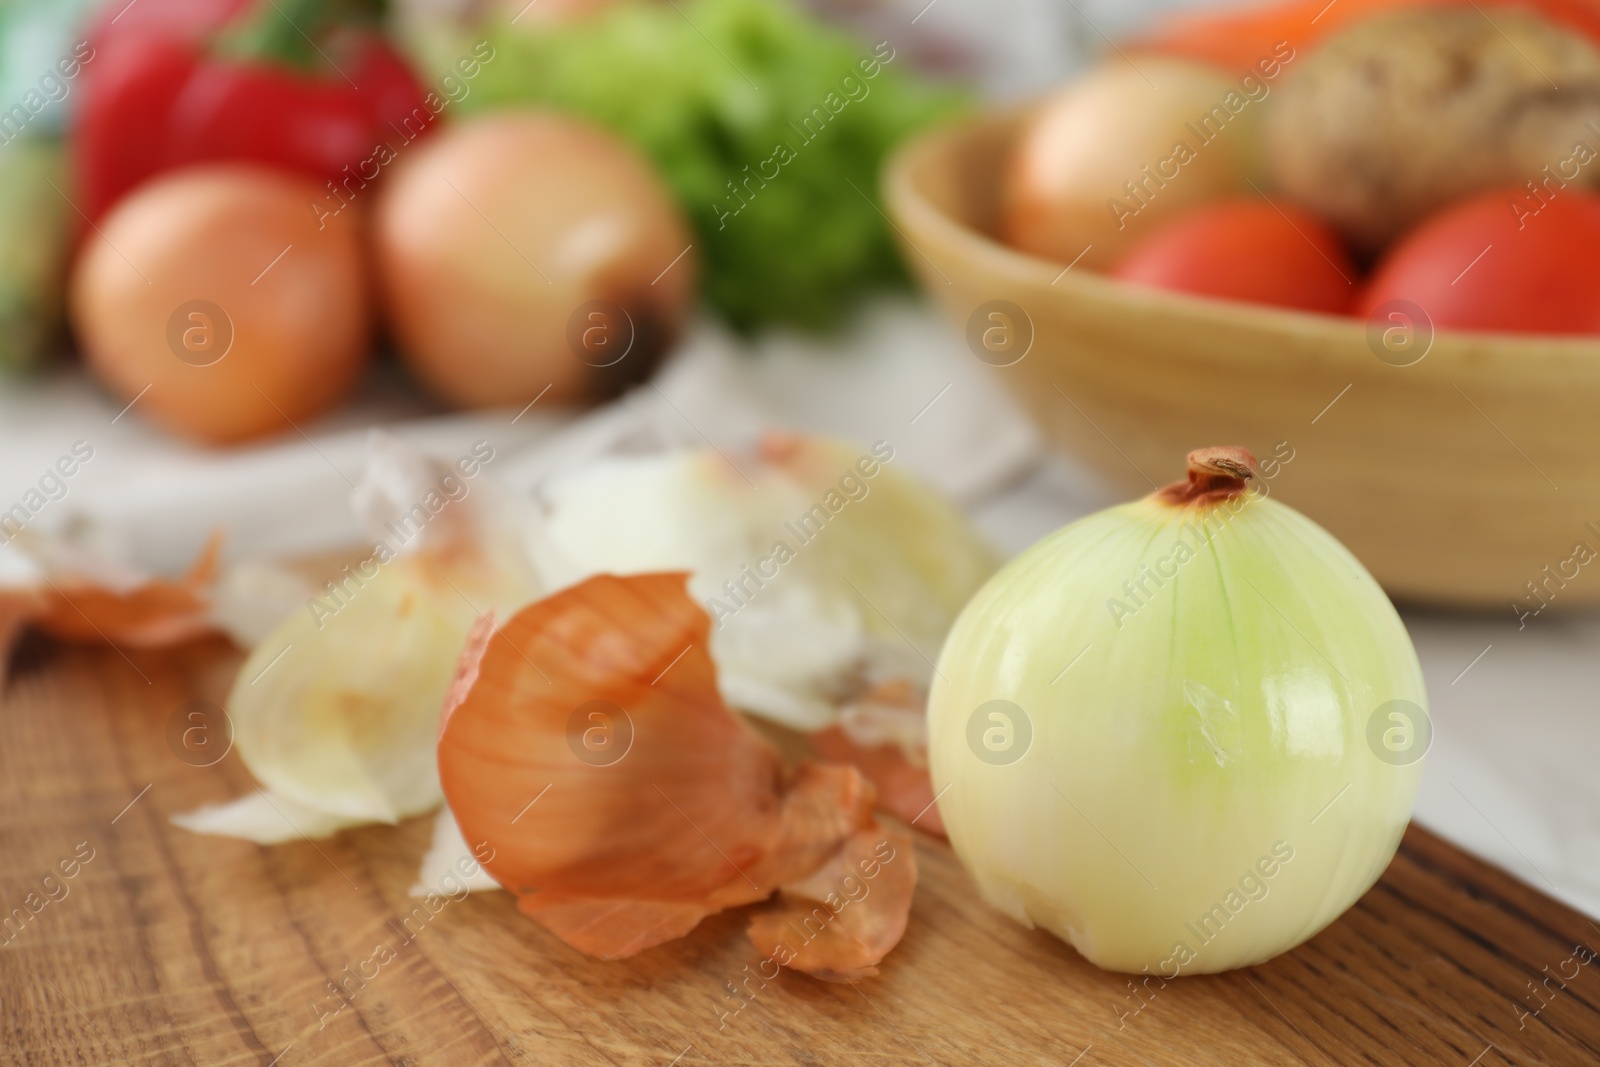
1216,474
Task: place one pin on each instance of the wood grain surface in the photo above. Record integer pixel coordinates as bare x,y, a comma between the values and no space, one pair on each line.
169,948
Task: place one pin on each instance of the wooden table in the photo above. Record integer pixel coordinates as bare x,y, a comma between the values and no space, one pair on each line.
168,948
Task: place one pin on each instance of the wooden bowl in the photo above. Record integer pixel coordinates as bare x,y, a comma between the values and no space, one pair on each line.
1458,479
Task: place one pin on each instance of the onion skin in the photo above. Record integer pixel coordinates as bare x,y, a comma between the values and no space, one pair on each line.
1222,724
301,323
493,235
675,809
155,613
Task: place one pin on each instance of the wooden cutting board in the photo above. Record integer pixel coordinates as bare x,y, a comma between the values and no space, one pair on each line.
168,948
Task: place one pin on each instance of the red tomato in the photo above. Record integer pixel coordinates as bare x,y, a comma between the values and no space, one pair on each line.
1501,261
1250,250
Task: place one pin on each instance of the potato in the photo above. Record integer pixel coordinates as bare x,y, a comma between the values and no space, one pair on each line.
1110,157
1407,112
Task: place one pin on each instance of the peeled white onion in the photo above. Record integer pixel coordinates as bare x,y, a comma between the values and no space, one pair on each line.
1183,734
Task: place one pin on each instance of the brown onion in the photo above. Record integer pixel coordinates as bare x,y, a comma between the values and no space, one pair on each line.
528,251
1104,162
212,297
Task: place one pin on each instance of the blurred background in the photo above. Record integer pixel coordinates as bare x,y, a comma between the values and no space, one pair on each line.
234,236
106,98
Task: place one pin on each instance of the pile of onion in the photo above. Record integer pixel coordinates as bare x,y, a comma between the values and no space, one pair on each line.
518,256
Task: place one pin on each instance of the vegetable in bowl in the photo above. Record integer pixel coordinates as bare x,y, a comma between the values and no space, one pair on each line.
1406,112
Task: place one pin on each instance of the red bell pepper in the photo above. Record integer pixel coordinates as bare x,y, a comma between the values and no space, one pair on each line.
306,85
